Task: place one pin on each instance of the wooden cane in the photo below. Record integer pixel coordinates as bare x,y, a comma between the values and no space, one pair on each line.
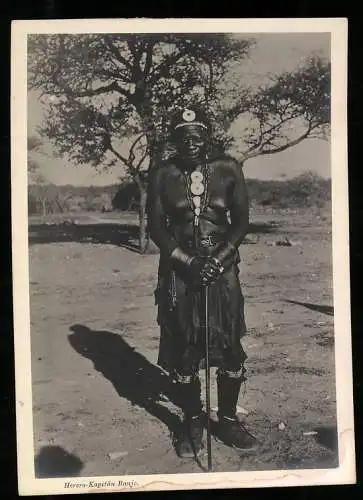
207,378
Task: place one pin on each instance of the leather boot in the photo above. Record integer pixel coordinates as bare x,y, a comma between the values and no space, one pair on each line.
188,442
230,430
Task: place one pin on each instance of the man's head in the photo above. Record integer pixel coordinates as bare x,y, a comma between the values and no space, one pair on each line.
190,131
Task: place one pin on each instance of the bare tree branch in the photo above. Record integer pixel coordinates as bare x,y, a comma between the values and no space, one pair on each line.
277,149
148,60
117,54
117,75
260,142
142,159
103,89
138,139
117,154
164,67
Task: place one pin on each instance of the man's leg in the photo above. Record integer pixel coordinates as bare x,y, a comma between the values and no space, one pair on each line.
230,429
188,390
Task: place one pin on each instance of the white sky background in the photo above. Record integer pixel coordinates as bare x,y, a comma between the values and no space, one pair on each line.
272,54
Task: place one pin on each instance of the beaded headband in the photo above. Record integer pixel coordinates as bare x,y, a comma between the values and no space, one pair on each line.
199,124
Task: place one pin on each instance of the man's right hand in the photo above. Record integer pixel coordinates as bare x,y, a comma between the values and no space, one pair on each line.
204,271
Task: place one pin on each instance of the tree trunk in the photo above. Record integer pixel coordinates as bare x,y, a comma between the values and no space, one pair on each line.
44,207
145,112
146,245
60,205
143,240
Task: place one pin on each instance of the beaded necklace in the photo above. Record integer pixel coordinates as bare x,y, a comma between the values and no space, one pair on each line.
196,186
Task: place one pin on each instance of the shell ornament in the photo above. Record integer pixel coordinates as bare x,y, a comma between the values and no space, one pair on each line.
197,189
188,115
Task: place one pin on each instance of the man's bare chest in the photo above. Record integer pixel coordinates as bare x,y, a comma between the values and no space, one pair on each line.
178,196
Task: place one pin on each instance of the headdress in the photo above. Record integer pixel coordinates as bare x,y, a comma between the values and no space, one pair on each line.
187,117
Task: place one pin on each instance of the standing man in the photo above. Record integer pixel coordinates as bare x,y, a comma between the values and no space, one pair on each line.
198,216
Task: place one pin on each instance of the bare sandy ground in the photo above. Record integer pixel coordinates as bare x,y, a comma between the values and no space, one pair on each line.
102,406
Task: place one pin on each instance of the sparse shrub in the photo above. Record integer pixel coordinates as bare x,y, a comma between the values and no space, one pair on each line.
127,198
306,190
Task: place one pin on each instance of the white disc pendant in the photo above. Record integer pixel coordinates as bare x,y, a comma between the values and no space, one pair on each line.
196,176
197,188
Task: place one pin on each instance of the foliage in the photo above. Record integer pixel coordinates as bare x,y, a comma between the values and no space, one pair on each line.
104,89
294,106
33,146
68,198
306,190
109,97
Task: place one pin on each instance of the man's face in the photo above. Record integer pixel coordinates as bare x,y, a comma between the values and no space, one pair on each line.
191,143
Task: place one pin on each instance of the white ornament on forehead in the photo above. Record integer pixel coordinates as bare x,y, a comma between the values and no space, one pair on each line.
188,115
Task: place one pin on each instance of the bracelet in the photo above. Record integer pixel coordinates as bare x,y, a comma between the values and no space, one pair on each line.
179,255
227,251
219,264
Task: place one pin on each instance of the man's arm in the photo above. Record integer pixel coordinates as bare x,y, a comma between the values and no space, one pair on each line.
156,215
239,214
157,221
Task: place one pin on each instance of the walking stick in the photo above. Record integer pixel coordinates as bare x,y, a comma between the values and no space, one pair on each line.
207,378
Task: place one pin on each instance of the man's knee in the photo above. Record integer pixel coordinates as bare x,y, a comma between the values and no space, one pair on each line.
185,379
232,372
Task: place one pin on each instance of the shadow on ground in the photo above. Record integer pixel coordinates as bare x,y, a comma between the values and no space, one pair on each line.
54,461
123,235
327,437
329,310
147,386
262,228
132,375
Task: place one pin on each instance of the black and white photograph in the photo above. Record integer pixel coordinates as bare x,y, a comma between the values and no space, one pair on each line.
181,254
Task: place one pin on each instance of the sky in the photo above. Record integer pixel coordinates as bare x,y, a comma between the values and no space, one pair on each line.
272,54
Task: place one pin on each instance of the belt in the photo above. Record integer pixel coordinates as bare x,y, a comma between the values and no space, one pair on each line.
209,241
205,242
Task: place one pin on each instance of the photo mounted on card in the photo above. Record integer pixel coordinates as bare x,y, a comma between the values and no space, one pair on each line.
181,254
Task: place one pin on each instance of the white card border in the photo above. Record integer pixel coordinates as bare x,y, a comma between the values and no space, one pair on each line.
345,473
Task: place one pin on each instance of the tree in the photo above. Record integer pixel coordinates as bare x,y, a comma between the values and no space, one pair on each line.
293,107
34,145
109,96
39,190
50,197
35,177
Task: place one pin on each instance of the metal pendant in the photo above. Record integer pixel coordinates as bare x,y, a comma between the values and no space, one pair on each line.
196,176
197,188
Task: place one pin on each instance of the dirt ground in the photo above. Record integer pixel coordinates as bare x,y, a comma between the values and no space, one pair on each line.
101,404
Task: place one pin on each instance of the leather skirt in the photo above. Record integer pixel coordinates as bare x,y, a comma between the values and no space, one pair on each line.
181,317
